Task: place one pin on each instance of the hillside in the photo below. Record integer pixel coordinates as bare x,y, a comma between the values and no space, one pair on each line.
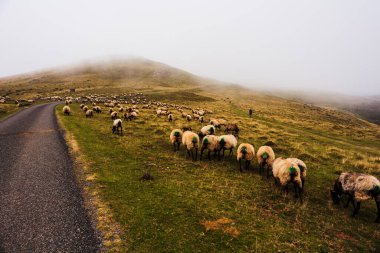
210,206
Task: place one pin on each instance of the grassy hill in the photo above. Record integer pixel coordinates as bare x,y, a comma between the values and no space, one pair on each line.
210,206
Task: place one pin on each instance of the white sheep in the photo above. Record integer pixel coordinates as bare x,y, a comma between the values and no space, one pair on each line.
359,187
191,141
175,138
247,152
302,167
170,117
210,142
207,130
265,157
226,142
66,110
89,114
81,106
117,125
85,108
286,172
188,117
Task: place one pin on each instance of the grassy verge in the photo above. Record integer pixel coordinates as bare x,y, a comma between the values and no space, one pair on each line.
7,109
211,206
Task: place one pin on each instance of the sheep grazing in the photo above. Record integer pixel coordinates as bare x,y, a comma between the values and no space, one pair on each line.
117,126
121,109
209,142
358,187
215,123
247,152
175,138
110,111
232,129
183,115
170,117
89,114
265,157
302,167
188,117
226,142
191,141
66,110
85,108
81,106
97,109
207,130
201,119
114,115
67,102
286,172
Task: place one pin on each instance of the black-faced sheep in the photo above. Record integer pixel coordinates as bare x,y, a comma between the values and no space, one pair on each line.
191,141
207,130
114,115
175,138
66,110
265,157
247,152
209,142
89,114
117,126
232,129
285,172
226,142
188,117
170,117
358,187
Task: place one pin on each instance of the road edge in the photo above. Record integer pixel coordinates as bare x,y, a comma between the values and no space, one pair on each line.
99,212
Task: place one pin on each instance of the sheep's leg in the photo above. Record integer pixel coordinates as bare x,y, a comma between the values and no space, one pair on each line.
223,152
188,153
295,189
268,168
241,170
121,131
209,155
201,155
230,152
174,149
357,208
303,183
218,155
378,212
350,199
196,154
247,163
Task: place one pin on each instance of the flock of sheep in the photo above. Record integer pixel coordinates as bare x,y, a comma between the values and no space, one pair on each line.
285,171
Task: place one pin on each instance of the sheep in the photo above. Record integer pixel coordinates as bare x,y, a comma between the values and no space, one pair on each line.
121,109
114,115
247,152
110,111
226,142
215,123
302,167
67,102
207,130
285,172
265,157
201,119
183,115
359,187
222,122
117,124
66,110
175,138
233,128
170,117
89,114
81,106
85,108
191,141
97,109
209,142
188,117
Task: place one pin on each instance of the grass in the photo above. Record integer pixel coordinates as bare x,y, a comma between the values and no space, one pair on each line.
7,109
181,209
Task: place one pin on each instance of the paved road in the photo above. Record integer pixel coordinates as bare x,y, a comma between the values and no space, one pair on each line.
41,209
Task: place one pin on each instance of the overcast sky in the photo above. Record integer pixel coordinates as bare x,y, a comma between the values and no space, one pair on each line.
298,44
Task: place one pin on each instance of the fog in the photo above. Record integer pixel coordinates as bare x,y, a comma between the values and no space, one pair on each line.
323,45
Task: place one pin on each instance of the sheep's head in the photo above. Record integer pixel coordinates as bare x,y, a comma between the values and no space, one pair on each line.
194,140
201,135
212,130
293,172
244,150
222,143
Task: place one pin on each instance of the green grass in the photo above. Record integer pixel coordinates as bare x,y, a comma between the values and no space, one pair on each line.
7,109
166,214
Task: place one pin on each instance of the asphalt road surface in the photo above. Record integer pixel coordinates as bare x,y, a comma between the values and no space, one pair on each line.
41,208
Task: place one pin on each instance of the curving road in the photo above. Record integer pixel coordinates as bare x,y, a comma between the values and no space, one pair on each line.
41,208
